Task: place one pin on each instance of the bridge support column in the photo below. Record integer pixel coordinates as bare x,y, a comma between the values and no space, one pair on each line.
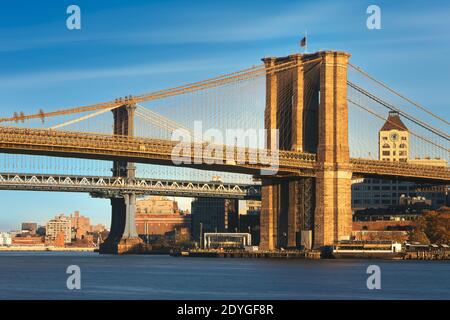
123,237
287,213
269,215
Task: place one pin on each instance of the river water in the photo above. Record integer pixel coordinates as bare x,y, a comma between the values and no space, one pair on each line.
43,276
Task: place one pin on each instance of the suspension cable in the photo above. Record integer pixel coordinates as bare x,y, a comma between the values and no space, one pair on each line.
384,85
238,76
403,113
396,125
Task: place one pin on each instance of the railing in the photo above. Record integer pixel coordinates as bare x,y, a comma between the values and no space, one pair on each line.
51,142
145,150
401,169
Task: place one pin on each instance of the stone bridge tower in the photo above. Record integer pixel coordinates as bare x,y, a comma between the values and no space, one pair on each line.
308,105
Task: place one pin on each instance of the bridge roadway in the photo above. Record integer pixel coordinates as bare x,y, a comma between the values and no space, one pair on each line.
145,150
114,186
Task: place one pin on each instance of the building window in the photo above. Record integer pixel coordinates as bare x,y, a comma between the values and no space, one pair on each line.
386,153
386,146
402,146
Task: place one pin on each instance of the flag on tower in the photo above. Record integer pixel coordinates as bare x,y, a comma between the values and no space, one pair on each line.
303,42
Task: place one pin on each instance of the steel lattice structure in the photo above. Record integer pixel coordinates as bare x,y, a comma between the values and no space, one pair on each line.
108,187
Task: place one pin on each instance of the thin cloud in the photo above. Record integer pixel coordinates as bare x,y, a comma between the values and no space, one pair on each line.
49,77
204,27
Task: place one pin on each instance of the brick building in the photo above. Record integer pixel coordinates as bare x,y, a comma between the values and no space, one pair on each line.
158,215
80,224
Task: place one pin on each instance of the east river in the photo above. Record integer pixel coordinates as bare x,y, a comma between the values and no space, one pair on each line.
43,276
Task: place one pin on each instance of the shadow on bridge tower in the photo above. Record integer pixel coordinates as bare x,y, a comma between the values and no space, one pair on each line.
123,237
308,105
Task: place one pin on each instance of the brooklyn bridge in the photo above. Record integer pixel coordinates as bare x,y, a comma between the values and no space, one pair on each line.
325,110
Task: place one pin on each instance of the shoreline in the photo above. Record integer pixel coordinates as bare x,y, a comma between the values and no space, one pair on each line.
45,249
313,255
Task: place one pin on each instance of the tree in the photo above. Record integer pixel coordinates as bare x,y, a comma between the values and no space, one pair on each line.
418,236
433,226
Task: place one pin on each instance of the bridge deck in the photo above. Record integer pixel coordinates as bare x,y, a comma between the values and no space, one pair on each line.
114,186
144,150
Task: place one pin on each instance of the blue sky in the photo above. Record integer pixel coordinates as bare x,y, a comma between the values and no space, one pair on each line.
131,47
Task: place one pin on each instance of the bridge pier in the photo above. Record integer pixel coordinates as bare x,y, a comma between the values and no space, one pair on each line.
123,237
287,213
310,212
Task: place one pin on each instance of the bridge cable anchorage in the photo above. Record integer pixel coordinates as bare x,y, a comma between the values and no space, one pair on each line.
238,76
400,111
395,124
384,85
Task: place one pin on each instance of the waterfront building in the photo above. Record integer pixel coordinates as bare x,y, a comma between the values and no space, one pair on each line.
60,225
157,215
249,221
31,227
227,240
214,215
28,240
393,145
5,239
393,139
81,225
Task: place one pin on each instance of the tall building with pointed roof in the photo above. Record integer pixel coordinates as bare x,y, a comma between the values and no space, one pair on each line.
393,139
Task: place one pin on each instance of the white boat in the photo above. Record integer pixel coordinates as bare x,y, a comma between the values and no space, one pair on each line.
368,250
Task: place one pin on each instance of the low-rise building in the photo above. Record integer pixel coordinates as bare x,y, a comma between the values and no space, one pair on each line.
5,239
28,240
227,240
31,227
214,215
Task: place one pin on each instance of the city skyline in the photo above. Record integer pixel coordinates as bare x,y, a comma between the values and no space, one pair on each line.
42,221
42,71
